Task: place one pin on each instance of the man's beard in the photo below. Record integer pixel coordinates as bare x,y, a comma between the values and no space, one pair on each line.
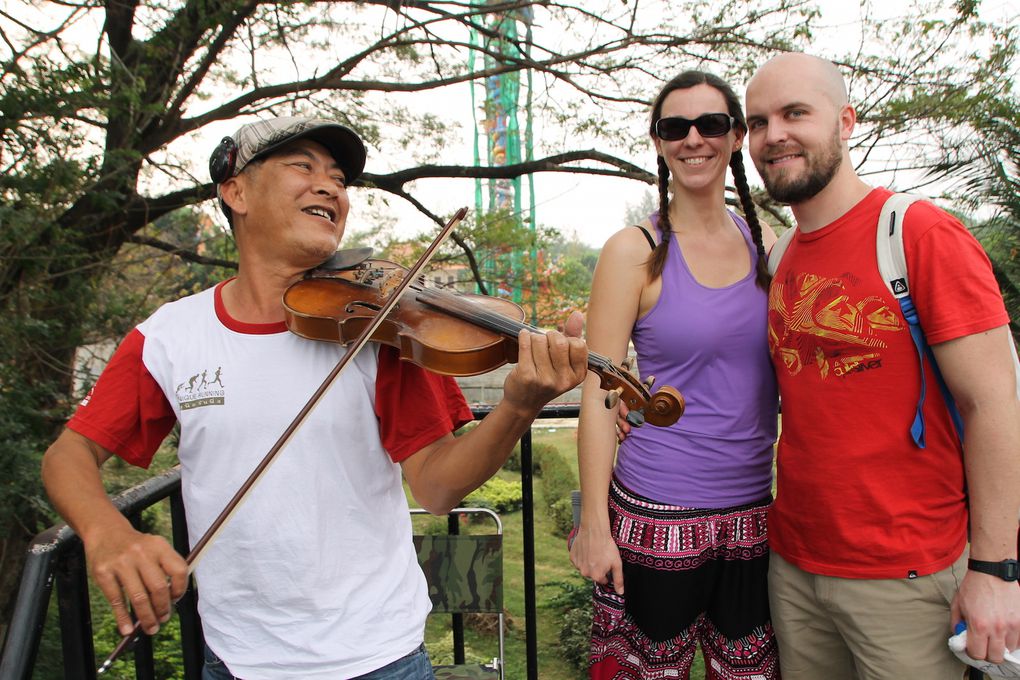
816,177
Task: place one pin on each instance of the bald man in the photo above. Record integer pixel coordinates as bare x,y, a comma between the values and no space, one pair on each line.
869,532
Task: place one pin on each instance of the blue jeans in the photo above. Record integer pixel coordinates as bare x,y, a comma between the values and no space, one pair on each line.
414,666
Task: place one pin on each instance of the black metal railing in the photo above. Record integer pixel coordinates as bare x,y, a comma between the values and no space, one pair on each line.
57,556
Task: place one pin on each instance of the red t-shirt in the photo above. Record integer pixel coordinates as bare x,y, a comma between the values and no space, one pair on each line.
856,498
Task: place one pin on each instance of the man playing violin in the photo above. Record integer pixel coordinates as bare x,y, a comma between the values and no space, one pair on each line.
315,575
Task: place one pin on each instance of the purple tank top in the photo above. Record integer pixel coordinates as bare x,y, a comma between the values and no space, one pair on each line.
711,344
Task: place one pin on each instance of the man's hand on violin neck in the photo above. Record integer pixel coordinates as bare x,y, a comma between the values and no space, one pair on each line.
547,365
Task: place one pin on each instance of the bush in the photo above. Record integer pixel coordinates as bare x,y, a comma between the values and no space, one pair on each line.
561,513
558,480
575,638
429,525
539,452
573,603
499,495
166,646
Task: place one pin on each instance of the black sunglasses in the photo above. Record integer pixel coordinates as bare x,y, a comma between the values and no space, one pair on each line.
708,125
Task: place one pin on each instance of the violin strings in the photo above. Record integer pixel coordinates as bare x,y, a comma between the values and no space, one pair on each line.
472,311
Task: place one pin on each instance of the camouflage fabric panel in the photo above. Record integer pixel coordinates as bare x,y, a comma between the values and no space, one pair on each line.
467,672
464,572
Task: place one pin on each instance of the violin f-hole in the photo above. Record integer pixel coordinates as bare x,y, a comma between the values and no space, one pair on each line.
350,309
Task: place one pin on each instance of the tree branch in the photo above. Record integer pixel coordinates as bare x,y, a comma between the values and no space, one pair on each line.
555,163
183,253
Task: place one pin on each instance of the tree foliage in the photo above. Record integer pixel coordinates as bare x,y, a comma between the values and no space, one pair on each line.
104,101
973,152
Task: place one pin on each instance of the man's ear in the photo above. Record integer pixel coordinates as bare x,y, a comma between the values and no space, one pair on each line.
847,121
233,192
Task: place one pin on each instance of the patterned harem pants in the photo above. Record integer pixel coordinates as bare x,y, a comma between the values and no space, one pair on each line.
690,576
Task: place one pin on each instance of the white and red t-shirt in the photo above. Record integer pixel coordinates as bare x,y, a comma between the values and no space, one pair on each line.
315,575
855,497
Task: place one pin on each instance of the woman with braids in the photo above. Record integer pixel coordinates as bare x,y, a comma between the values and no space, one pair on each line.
674,534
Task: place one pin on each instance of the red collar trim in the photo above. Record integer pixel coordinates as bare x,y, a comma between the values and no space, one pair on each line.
240,326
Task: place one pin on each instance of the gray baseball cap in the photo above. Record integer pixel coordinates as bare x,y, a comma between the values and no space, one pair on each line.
261,138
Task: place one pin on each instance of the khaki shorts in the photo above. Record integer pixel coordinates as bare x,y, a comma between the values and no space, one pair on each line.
832,628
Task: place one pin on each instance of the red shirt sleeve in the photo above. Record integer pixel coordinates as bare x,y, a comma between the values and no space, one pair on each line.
951,278
126,412
415,407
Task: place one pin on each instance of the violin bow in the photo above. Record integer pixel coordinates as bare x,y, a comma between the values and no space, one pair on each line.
242,493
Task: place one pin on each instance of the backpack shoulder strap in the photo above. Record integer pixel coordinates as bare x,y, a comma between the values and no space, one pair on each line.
778,248
892,266
892,263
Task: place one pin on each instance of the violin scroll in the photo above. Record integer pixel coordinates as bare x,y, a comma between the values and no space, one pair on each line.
666,407
661,409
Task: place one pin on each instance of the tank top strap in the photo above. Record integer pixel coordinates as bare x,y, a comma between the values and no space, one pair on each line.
648,236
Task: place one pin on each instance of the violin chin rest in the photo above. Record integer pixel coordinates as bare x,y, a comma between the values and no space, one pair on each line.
345,259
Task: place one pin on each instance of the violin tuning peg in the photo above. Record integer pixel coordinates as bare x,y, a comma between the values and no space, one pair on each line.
636,418
627,363
649,381
613,397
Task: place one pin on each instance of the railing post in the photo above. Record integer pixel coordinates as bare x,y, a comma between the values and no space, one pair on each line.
75,613
528,521
145,664
141,650
192,639
25,631
457,622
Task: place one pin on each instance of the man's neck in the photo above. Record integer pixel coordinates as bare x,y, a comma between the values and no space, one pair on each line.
840,195
257,299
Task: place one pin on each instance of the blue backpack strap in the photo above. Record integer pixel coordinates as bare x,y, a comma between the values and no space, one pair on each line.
892,265
924,349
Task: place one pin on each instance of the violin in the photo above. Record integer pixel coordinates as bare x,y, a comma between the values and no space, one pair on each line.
456,334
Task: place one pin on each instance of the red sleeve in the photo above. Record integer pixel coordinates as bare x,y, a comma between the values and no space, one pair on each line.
415,407
951,278
126,412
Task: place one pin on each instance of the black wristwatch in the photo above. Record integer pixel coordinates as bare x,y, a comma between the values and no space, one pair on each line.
1007,570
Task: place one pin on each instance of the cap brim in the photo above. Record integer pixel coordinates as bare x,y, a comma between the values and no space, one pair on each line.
343,144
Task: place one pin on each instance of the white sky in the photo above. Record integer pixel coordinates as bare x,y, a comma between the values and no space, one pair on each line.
586,206
591,207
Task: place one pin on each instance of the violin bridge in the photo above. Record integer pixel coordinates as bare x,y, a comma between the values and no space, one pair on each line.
390,283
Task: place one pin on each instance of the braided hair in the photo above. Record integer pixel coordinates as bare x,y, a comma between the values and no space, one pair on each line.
684,81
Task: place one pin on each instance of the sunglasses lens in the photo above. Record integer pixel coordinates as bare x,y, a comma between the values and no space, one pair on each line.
713,124
672,129
708,125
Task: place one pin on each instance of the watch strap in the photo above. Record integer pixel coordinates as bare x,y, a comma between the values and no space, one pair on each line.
1007,570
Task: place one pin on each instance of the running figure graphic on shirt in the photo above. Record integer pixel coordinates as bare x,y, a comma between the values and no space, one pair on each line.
204,382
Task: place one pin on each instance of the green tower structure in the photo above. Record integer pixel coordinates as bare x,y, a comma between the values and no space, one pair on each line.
499,134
